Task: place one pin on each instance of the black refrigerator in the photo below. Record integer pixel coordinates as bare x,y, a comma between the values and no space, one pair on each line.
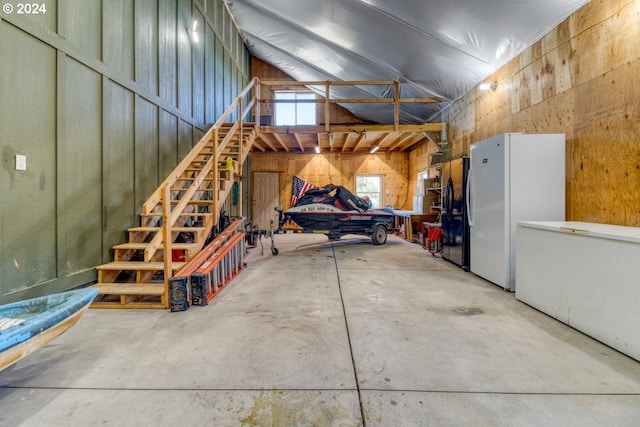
455,223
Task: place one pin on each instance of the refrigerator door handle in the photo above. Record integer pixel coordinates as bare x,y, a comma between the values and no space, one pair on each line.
447,200
468,198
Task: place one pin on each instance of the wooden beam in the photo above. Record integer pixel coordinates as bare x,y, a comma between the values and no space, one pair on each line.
419,100
325,82
426,127
349,101
167,242
327,109
346,141
426,135
396,105
361,138
297,138
263,138
382,140
280,141
399,142
293,101
380,100
411,141
256,112
258,144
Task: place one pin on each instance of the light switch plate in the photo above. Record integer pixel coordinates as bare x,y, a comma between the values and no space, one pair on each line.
21,162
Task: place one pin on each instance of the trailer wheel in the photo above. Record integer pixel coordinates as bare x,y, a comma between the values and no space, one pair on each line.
379,235
275,251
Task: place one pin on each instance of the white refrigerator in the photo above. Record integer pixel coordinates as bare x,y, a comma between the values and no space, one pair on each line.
513,177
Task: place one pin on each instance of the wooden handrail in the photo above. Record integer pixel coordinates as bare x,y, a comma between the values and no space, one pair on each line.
153,200
327,82
171,219
166,234
327,100
163,193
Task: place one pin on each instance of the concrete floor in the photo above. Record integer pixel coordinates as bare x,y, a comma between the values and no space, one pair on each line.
342,334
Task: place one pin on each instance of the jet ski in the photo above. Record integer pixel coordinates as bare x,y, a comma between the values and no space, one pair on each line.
335,211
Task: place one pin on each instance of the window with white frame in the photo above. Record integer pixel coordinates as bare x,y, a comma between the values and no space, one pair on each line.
296,108
370,186
421,177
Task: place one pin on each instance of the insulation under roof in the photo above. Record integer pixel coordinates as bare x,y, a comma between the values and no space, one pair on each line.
434,48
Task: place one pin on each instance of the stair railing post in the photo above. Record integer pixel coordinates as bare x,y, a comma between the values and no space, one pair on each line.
166,236
396,105
257,94
240,114
216,172
327,107
240,157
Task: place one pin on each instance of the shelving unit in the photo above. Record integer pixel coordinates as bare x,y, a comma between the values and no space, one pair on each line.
433,196
426,208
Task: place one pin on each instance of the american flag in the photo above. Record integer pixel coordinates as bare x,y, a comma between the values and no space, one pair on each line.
300,186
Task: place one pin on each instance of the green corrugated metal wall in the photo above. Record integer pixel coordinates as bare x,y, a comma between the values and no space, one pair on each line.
103,97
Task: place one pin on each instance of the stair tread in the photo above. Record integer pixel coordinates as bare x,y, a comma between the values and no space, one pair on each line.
143,245
182,214
139,265
130,288
179,229
192,202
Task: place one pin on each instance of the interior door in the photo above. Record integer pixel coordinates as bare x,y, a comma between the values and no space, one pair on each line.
266,196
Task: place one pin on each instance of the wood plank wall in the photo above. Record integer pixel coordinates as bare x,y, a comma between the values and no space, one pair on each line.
581,79
332,168
339,169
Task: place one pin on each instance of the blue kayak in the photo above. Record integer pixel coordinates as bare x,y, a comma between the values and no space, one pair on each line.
27,325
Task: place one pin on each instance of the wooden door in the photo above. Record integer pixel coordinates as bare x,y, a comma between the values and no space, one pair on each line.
266,196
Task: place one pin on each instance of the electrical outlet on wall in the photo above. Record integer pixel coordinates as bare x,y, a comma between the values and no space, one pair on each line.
21,162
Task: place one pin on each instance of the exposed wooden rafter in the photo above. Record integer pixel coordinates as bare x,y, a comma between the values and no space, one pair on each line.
343,137
361,138
295,136
262,137
280,141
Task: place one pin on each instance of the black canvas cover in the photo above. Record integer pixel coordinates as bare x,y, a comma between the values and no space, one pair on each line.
335,195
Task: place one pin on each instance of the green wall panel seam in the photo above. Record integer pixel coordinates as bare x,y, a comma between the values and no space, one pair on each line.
53,40
217,33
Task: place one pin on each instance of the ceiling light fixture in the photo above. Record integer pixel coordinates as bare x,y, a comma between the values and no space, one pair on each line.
487,86
374,149
194,33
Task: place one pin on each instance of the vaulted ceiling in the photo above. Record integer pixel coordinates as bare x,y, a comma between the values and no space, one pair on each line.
434,48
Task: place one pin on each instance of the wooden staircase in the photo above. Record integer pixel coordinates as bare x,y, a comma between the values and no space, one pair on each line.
179,216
